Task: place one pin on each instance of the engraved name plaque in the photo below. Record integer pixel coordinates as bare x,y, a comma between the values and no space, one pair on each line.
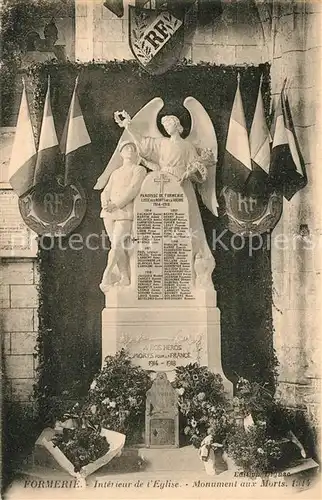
164,248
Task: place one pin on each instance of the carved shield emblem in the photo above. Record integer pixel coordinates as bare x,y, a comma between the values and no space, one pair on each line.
156,37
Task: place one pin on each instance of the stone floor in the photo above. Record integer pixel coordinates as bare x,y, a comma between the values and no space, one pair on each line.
156,473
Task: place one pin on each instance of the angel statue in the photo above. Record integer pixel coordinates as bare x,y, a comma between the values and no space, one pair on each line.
192,161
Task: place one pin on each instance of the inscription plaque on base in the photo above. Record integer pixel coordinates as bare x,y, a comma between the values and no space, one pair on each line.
162,432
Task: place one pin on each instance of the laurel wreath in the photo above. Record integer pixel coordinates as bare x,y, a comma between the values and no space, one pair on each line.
142,50
122,118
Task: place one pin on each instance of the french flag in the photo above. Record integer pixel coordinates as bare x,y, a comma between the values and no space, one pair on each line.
260,149
237,162
75,137
47,166
23,155
287,168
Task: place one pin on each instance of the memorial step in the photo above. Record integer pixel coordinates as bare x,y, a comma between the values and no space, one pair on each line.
172,460
150,463
157,460
301,476
132,460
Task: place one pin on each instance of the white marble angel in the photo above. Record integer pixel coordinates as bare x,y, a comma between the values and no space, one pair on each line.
191,160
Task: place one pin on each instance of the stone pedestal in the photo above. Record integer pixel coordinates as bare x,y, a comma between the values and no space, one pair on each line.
161,336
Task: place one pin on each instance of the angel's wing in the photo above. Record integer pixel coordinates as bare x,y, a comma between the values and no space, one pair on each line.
145,121
203,136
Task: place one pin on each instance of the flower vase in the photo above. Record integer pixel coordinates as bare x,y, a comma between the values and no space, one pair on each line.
210,464
116,441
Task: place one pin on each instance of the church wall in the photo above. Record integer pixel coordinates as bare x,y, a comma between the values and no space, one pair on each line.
19,314
18,299
234,38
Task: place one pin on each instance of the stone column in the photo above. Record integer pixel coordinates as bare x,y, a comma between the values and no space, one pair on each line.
100,34
84,27
296,248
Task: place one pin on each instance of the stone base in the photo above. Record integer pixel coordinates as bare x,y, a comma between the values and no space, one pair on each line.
160,337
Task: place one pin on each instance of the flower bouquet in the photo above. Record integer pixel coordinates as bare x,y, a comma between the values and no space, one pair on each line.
202,401
81,451
206,410
116,397
253,429
253,450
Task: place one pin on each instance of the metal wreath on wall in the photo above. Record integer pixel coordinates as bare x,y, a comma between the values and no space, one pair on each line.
249,214
54,209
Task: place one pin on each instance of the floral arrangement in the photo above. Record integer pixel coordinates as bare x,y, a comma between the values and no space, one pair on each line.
261,439
253,428
255,400
253,450
116,398
200,165
81,445
115,401
252,398
202,402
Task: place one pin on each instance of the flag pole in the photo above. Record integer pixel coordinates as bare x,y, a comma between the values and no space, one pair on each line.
76,82
75,135
288,84
75,89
